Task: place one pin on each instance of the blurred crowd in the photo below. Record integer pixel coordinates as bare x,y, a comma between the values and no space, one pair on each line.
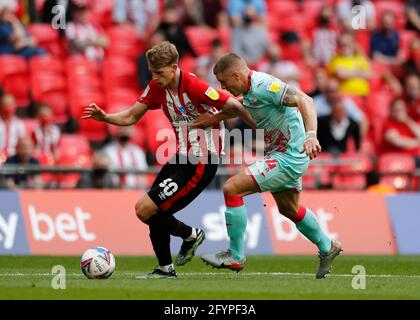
358,59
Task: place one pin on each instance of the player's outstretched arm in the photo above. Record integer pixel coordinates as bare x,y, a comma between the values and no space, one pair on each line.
124,118
296,98
232,109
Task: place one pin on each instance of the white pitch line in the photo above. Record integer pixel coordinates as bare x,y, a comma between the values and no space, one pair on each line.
243,274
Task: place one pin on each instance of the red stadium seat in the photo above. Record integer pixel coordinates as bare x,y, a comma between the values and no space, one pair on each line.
283,8
74,151
224,34
320,171
120,73
125,42
396,163
292,52
358,163
406,38
58,101
46,64
14,78
349,182
188,63
200,38
363,40
79,101
396,169
48,38
123,98
43,33
84,84
79,66
93,130
45,83
393,6
307,83
153,122
352,176
311,9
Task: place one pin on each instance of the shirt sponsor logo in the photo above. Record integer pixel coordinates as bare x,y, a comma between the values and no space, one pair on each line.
274,87
212,94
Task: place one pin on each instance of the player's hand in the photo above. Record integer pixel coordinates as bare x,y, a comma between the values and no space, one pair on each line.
94,112
311,146
205,120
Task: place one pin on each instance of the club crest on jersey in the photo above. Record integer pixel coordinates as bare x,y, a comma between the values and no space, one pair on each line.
212,94
274,87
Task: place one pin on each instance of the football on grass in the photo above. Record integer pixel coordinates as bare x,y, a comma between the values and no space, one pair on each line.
97,263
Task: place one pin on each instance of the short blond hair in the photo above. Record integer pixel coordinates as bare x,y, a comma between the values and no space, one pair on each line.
229,60
162,55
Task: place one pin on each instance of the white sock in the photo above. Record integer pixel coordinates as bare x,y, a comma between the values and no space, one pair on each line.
168,268
193,235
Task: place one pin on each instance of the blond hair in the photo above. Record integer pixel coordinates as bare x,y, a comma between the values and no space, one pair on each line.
162,55
229,60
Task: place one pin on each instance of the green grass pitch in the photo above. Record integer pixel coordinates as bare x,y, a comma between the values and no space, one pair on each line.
268,277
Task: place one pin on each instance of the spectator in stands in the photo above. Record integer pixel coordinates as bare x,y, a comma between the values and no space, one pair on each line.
14,38
400,133
11,127
350,67
84,37
385,42
413,62
250,39
125,155
237,10
143,14
412,9
285,70
143,74
205,64
204,12
325,100
337,129
99,177
23,156
47,135
321,82
324,37
346,16
412,95
174,31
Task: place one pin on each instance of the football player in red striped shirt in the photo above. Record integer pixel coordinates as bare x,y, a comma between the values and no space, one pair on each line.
183,98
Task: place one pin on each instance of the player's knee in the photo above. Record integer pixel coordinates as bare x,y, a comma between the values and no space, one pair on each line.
143,212
287,209
230,188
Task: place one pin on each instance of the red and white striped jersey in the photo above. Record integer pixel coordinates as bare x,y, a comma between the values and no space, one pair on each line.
10,133
194,97
84,32
46,139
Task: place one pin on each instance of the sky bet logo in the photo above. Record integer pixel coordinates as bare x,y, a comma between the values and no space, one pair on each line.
8,227
13,238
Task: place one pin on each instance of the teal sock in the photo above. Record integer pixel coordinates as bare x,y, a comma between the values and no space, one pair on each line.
311,229
236,220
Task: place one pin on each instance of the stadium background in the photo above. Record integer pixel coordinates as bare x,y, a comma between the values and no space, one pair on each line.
361,194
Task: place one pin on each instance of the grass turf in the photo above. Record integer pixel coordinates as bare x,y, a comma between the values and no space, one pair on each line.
274,277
